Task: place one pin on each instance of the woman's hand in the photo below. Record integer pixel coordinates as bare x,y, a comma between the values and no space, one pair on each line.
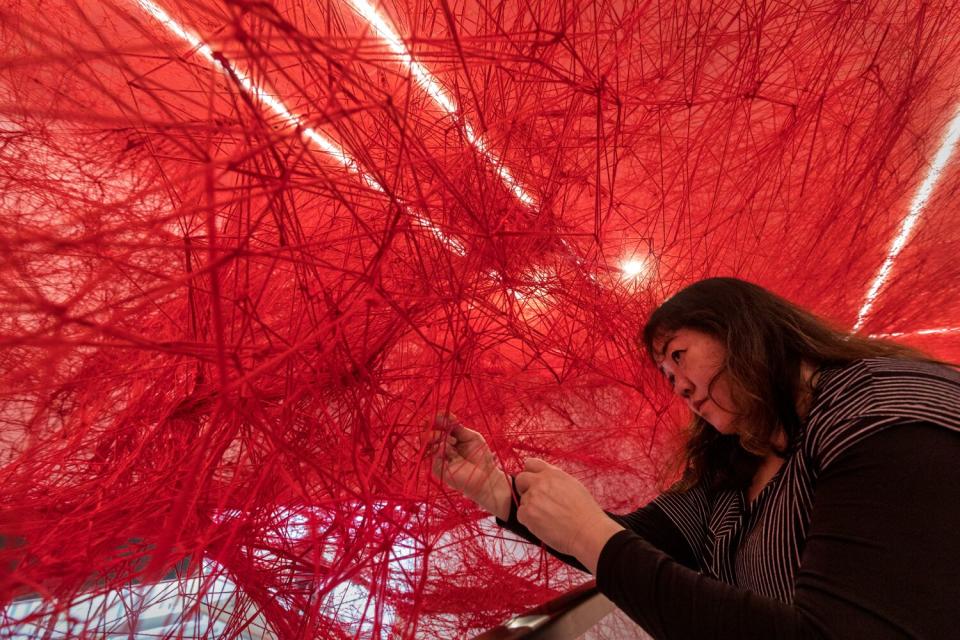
560,511
465,463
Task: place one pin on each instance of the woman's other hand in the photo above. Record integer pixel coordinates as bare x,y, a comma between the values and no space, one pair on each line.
464,462
560,511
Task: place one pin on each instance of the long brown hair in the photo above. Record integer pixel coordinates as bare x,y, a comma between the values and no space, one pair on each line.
766,338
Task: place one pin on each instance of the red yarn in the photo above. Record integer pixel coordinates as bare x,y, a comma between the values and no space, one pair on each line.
221,344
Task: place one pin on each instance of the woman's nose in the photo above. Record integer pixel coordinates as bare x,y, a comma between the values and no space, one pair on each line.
683,387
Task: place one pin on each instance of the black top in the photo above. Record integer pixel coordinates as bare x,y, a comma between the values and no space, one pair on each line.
858,535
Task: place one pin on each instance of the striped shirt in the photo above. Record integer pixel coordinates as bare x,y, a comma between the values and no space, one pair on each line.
854,537
758,546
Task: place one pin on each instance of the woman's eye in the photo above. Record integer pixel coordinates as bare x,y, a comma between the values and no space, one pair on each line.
676,356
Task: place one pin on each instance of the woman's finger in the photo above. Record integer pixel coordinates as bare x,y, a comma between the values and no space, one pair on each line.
430,438
450,453
462,434
524,480
535,464
436,438
445,422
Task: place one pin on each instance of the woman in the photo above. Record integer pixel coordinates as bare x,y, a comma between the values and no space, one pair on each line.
821,493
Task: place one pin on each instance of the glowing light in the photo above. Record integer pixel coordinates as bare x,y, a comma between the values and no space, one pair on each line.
243,79
919,332
632,268
433,89
536,286
451,243
274,104
916,208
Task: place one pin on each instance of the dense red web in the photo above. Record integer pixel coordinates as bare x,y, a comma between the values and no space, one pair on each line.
240,273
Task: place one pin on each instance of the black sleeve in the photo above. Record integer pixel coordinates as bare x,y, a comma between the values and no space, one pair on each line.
878,562
649,522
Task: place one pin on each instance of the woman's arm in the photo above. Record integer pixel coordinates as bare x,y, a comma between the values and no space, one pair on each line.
649,522
878,561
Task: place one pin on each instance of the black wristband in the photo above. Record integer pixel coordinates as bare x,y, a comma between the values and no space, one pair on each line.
514,498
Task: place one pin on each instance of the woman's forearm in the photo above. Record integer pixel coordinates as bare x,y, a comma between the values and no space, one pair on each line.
592,540
496,495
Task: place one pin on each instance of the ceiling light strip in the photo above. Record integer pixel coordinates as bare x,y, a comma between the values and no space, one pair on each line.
274,104
433,89
939,331
917,206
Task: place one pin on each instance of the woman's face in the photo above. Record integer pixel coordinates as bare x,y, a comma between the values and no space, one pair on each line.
690,360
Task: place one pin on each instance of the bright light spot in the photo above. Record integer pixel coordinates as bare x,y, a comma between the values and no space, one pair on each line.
633,268
916,207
